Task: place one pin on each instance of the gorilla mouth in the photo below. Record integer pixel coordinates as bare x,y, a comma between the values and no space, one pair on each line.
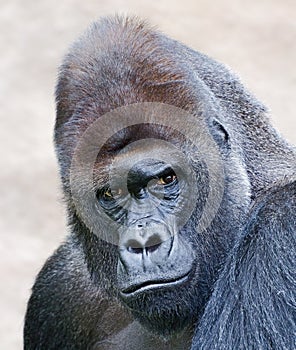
155,284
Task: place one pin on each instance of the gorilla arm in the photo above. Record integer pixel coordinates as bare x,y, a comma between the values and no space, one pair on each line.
83,312
253,303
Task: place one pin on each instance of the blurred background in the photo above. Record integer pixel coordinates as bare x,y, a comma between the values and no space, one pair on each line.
257,39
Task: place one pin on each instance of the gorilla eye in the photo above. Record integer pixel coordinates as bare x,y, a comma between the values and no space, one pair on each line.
108,194
166,180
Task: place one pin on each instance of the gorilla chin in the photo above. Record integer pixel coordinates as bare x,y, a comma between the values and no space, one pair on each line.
166,308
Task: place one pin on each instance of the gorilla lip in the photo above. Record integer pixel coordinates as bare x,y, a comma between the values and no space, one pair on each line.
154,284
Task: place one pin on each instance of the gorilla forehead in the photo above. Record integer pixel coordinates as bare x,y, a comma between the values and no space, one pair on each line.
144,69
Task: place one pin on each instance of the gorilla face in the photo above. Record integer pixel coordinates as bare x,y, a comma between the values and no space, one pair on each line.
156,263
152,190
154,260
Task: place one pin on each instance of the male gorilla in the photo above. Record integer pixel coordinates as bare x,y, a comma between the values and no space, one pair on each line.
181,202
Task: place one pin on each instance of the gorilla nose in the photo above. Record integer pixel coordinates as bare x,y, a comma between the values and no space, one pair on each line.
140,246
145,238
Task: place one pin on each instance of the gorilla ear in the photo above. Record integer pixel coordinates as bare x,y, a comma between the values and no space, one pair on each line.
220,134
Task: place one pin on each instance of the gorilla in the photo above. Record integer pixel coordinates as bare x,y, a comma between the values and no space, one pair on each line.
181,202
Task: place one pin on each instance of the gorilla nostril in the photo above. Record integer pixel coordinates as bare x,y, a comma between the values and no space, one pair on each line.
153,243
133,246
135,250
152,248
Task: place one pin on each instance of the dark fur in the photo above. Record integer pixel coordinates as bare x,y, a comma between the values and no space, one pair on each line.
75,305
253,304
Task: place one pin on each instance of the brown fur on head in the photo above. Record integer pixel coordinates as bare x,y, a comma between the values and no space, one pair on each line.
135,64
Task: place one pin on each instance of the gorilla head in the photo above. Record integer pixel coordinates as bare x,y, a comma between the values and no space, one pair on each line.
155,187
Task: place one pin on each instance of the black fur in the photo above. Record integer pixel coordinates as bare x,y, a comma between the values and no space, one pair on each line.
242,294
253,303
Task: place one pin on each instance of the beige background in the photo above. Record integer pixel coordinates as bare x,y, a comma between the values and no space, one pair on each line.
256,38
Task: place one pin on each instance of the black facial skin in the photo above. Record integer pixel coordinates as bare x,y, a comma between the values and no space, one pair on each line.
180,200
149,248
155,261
